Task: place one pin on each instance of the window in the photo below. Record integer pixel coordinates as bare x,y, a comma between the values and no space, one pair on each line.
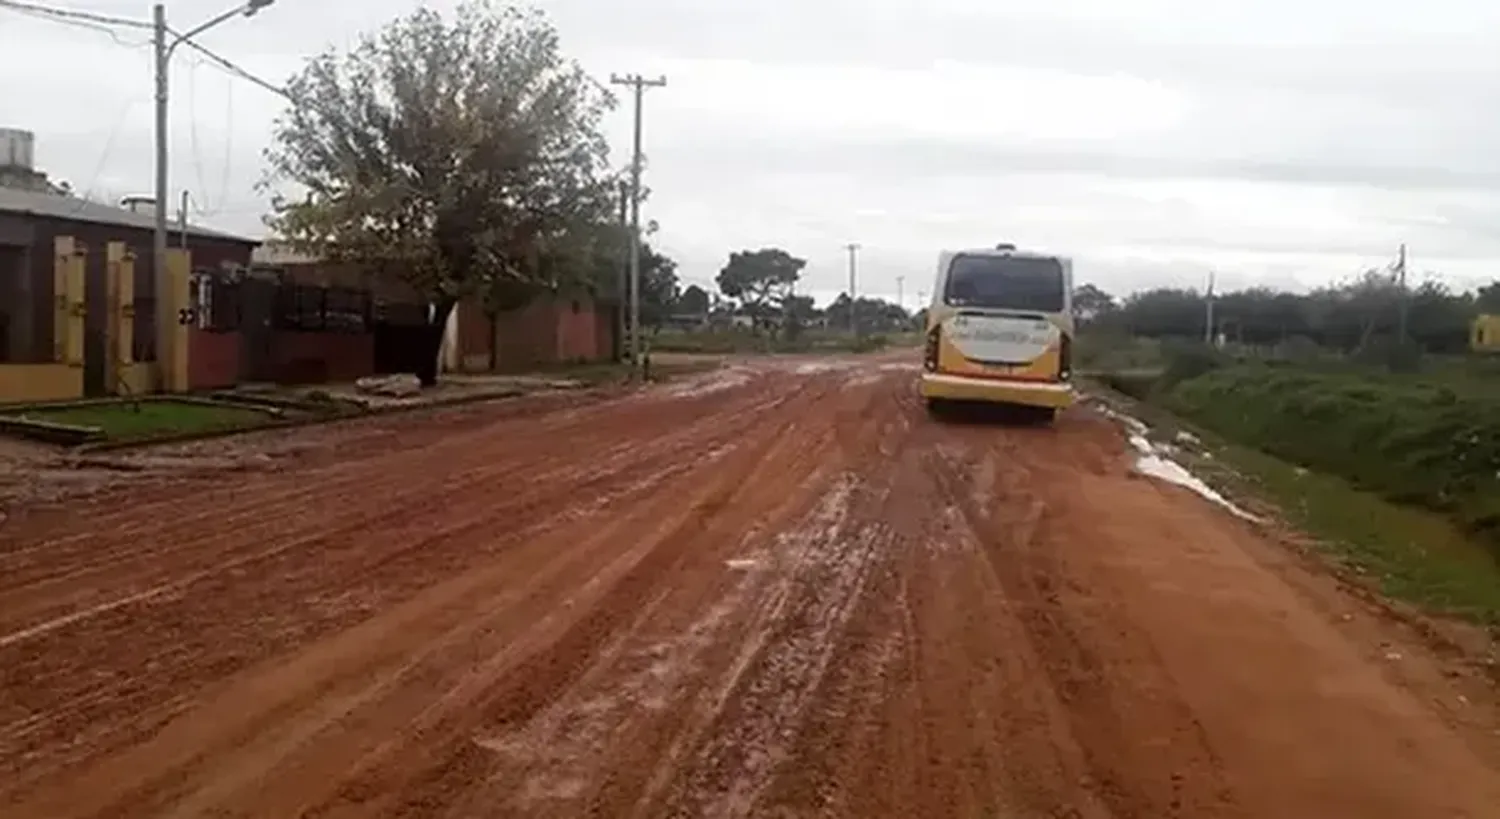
215,302
318,309
346,311
15,307
1006,282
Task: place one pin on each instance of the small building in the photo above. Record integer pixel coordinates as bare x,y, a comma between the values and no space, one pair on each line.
552,330
1484,333
32,221
555,329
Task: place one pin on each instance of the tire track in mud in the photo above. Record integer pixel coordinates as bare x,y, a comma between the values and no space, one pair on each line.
177,656
777,592
1118,704
293,500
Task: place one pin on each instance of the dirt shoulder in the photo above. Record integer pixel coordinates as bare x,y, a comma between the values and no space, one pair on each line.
769,590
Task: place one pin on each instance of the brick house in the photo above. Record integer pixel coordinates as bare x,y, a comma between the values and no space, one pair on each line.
550,331
31,223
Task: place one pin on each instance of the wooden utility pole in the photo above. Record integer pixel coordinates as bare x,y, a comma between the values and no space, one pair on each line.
622,286
853,248
1208,312
638,85
1401,303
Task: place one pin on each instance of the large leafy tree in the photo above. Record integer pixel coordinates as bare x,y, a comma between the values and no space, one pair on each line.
1090,302
659,287
463,154
693,301
760,281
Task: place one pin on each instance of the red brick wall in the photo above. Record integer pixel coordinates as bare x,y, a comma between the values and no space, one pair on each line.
474,337
577,331
526,338
213,359
314,358
543,333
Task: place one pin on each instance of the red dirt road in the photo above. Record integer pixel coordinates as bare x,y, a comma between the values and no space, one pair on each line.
766,593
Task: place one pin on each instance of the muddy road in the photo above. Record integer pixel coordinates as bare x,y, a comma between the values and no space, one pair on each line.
773,591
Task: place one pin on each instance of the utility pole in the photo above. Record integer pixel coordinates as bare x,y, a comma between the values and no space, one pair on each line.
900,285
1401,304
163,48
853,248
621,284
182,219
1208,312
638,85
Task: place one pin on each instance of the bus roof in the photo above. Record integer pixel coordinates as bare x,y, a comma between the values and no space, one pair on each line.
992,251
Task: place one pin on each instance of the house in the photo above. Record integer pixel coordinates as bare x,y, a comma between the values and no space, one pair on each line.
63,310
555,329
1484,334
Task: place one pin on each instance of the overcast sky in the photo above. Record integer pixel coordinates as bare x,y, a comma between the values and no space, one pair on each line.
1277,142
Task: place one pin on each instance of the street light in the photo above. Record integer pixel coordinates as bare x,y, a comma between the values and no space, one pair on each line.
164,50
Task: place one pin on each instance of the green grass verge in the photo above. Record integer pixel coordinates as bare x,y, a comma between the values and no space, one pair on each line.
1408,553
1418,443
124,421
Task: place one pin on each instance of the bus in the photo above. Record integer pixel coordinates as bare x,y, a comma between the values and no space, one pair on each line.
1000,331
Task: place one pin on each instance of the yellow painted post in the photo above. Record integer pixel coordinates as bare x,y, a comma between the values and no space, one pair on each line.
172,341
120,324
68,300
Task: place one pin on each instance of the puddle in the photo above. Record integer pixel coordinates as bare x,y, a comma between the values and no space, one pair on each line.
1154,460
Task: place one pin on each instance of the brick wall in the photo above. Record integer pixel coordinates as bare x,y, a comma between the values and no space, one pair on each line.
577,331
313,358
213,359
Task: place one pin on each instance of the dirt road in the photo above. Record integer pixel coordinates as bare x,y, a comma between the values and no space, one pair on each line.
770,592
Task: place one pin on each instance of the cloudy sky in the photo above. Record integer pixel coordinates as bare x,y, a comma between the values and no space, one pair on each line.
1276,142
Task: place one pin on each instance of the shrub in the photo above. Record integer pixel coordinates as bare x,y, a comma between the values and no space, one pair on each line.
1416,442
1186,360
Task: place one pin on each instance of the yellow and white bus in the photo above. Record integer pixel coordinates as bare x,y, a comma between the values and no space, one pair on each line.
1000,331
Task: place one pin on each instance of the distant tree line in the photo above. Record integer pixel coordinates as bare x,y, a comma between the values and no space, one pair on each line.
758,286
1349,317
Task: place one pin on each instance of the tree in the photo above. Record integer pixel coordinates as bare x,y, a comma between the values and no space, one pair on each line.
465,156
1488,298
658,287
760,280
1089,303
693,301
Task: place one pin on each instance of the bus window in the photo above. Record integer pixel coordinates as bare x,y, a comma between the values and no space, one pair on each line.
1006,283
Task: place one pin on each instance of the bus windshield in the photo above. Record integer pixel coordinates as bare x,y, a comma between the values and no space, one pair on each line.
1006,282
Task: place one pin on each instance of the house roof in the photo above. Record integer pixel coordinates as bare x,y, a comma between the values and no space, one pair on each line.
52,206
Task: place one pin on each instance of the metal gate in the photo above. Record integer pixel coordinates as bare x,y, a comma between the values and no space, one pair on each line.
95,328
257,302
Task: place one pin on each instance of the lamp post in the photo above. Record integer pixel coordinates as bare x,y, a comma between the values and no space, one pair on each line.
164,48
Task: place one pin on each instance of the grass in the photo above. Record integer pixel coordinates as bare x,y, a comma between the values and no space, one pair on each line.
122,421
1420,443
1407,553
1410,554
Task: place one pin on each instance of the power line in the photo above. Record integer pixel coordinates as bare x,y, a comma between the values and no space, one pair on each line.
228,65
78,19
73,16
102,22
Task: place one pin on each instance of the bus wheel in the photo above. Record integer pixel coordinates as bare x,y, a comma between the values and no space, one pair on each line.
1042,416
